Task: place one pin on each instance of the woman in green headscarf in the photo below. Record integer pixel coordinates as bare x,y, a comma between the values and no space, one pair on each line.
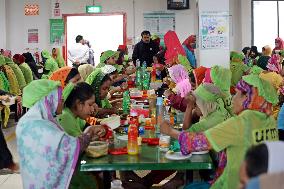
50,65
56,54
253,124
237,67
48,156
79,104
101,83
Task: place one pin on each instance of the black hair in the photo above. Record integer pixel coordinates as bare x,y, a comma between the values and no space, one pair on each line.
256,160
73,72
245,50
191,76
121,55
79,38
82,92
145,32
106,78
161,57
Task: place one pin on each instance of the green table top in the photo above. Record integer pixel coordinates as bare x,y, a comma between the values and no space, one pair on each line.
149,158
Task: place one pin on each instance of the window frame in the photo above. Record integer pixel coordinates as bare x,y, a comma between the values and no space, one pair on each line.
252,19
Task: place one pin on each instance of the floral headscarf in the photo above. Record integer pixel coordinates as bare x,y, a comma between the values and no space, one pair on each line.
48,156
254,101
274,64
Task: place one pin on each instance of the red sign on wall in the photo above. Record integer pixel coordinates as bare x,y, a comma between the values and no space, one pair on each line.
31,9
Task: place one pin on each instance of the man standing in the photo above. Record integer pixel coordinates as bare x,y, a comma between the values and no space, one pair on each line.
79,53
145,49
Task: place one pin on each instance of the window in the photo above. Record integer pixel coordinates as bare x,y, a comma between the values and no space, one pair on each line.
268,22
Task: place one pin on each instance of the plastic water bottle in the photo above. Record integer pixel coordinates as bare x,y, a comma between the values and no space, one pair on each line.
137,63
159,113
132,145
116,184
126,102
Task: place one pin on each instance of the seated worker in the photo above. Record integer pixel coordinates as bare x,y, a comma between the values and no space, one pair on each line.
65,75
109,58
85,70
79,104
253,106
265,158
48,155
101,83
50,65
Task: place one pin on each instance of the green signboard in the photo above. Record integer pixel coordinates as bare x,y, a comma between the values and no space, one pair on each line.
93,9
56,31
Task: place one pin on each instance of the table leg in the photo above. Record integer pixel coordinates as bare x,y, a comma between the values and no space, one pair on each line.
188,176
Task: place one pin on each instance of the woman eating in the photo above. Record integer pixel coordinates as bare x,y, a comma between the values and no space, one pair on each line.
253,124
48,156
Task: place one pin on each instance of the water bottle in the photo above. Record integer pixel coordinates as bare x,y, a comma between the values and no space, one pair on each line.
137,63
138,81
159,113
126,102
144,64
116,184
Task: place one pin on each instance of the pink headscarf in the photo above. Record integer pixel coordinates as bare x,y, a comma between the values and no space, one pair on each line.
7,53
274,64
180,76
280,44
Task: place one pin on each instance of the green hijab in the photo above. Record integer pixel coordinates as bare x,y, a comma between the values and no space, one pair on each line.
59,59
2,60
42,87
95,80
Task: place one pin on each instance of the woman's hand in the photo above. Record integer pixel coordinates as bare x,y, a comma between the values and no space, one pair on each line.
191,100
99,130
165,128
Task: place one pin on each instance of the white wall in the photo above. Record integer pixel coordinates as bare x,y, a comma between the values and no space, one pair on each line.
2,24
186,20
245,16
211,57
134,10
18,25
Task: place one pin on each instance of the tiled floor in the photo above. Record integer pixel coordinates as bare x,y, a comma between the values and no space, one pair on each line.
11,181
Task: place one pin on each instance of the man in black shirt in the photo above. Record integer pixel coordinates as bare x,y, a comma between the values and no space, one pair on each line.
145,49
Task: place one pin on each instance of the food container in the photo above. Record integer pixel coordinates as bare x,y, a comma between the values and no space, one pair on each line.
135,92
113,122
164,142
137,106
97,149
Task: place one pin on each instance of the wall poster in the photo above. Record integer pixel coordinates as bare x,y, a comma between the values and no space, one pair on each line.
56,31
214,30
159,22
32,35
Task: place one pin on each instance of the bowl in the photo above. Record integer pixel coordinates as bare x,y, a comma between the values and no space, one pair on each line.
12,100
113,122
97,149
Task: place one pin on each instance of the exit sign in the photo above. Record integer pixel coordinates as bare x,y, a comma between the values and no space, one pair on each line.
93,9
